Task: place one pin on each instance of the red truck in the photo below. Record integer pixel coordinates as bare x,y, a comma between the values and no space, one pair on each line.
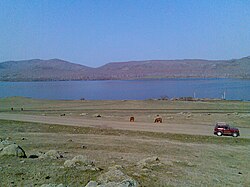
222,128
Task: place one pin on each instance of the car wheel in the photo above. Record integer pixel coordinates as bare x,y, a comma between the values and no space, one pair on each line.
235,134
219,133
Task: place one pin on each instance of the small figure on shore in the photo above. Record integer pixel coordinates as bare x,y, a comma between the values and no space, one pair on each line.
132,119
11,108
158,119
21,109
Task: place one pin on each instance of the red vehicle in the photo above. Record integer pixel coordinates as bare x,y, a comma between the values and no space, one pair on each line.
221,128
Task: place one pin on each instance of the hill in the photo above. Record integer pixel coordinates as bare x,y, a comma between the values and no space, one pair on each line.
56,69
42,70
239,68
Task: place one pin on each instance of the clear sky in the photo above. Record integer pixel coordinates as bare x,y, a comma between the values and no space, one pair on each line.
95,32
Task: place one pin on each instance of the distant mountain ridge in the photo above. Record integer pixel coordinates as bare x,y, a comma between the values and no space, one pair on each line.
57,69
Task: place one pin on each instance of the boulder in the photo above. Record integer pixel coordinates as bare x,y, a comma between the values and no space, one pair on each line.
148,162
92,184
116,178
83,114
125,183
6,142
113,175
80,162
51,154
97,115
128,183
33,156
13,150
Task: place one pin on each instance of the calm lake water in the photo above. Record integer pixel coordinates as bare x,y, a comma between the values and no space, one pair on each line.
234,89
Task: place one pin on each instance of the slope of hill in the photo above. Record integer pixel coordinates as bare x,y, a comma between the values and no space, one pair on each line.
56,69
40,70
196,68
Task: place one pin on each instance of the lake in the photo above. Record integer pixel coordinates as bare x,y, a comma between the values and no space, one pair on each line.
233,89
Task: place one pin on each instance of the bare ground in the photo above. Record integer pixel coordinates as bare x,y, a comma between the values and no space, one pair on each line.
190,155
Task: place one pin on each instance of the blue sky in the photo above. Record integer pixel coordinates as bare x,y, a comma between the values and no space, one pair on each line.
95,32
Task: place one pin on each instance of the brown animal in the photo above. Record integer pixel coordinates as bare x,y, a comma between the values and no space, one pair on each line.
132,119
158,120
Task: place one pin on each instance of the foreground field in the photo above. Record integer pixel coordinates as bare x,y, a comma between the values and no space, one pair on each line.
166,154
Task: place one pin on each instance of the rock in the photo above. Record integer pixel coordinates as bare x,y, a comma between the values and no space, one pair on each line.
47,177
92,184
6,142
216,180
190,164
110,184
83,114
83,147
33,156
115,167
51,154
128,183
148,162
13,150
136,174
97,115
124,183
81,162
145,170
113,175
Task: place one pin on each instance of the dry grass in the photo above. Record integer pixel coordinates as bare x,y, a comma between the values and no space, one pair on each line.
187,160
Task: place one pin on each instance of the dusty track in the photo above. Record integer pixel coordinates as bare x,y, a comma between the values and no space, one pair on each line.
203,129
136,126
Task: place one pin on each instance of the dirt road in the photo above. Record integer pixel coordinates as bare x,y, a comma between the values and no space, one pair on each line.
135,126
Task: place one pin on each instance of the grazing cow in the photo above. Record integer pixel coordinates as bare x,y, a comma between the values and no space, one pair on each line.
132,119
158,119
